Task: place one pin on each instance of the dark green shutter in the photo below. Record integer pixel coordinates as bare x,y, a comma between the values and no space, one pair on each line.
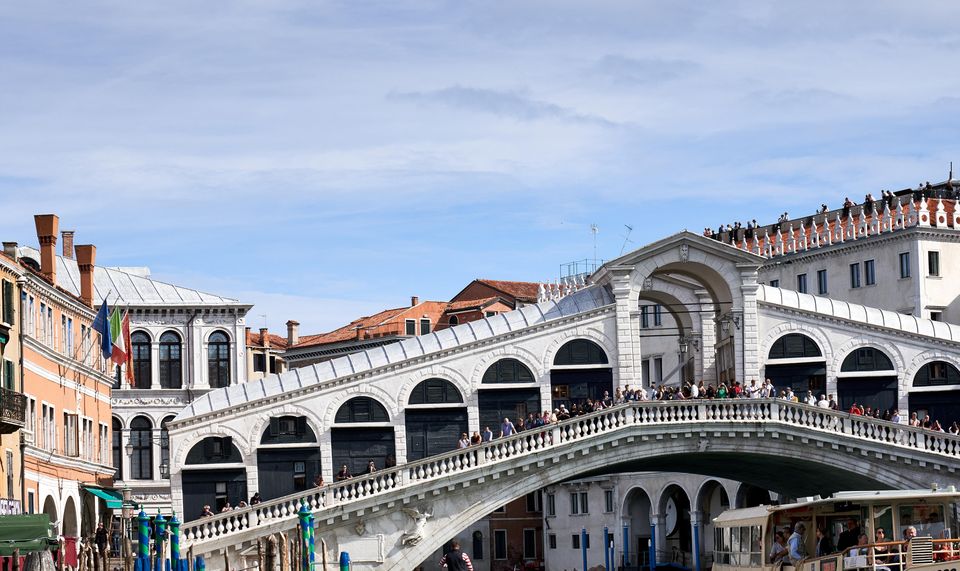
9,379
7,302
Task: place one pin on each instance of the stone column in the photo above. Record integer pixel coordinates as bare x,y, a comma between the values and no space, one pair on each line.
748,355
195,352
696,522
628,343
707,359
658,536
154,362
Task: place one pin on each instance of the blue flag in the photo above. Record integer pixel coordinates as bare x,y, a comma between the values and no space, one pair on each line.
101,324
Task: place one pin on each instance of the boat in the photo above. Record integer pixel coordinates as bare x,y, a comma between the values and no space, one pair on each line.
744,538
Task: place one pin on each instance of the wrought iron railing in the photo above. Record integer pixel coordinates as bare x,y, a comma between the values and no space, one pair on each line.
13,406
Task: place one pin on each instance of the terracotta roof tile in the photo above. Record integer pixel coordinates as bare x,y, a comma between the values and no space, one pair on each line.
524,291
276,341
381,323
470,303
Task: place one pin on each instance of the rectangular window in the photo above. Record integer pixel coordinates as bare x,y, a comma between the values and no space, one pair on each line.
551,504
533,502
424,326
43,322
499,544
933,264
658,369
608,501
63,334
904,265
411,326
32,318
529,544
30,502
8,316
774,283
802,283
855,275
645,371
575,541
936,316
273,364
70,434
490,314
644,316
501,510
9,373
259,363
552,541
31,418
574,503
822,282
584,503
104,445
869,273
657,316
10,484
69,339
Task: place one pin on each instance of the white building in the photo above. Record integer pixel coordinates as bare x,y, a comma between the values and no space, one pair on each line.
184,342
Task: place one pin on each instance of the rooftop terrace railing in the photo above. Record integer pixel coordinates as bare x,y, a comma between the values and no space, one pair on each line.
579,429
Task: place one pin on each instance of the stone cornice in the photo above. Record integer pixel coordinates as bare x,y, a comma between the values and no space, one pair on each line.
60,461
68,363
860,325
339,382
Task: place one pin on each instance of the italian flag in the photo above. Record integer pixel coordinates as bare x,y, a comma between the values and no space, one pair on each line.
120,342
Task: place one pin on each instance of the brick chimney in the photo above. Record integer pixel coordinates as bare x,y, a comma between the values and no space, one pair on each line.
414,300
67,236
264,337
86,259
246,334
10,249
48,226
293,332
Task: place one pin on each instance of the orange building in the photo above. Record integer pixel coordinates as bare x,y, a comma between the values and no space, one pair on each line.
67,383
12,402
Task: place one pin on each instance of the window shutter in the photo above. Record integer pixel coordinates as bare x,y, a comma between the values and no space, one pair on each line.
227,446
301,425
9,381
208,448
8,302
274,426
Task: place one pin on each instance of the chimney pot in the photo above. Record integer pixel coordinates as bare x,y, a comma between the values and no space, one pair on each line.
86,260
414,300
10,249
264,337
48,226
293,332
67,236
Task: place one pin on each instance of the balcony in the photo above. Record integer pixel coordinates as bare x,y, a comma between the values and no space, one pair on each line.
12,407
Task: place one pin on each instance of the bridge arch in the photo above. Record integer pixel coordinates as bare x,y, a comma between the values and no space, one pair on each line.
868,375
388,401
934,391
749,496
191,440
511,399
361,433
449,374
287,409
711,500
637,512
581,370
224,486
288,455
435,417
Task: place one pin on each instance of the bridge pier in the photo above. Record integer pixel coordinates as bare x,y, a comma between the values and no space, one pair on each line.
696,518
658,536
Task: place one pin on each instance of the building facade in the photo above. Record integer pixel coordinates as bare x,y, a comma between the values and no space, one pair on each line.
12,400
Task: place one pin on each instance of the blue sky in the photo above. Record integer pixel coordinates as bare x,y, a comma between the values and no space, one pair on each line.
324,160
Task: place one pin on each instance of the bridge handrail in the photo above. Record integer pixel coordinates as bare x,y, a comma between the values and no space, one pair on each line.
549,436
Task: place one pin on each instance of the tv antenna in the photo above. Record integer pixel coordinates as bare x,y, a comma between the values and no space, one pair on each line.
594,229
626,238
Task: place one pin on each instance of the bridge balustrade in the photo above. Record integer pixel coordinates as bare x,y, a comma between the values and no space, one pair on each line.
578,429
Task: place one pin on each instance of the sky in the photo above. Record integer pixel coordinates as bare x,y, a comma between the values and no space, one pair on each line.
325,160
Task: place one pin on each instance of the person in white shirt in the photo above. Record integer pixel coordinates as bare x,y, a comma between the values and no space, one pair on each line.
823,402
896,416
694,391
753,391
811,400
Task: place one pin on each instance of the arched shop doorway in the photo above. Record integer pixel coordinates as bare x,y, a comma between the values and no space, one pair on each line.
867,377
749,496
796,362
362,433
508,390
580,371
288,459
675,507
50,508
636,515
712,501
213,475
936,392
435,418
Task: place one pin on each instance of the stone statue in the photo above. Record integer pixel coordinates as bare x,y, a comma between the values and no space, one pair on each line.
420,518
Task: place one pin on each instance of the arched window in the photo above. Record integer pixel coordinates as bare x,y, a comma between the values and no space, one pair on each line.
171,363
141,442
142,371
288,430
165,449
794,346
936,373
453,320
508,371
580,352
218,360
435,391
117,441
362,409
214,450
866,359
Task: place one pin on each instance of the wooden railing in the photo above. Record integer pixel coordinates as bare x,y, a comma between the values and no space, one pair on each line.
771,412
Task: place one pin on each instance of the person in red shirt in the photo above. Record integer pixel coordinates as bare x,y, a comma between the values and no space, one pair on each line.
856,410
455,559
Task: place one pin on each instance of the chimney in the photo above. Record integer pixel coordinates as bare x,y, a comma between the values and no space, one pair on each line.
359,333
67,236
86,258
264,337
10,249
293,332
414,300
47,230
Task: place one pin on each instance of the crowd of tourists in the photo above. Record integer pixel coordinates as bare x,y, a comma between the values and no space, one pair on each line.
853,542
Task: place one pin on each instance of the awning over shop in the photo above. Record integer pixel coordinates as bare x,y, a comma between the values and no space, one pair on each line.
28,533
113,499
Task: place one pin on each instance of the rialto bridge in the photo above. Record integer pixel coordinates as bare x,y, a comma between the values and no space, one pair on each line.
399,404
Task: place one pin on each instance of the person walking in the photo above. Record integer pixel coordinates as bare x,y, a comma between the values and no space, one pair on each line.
455,559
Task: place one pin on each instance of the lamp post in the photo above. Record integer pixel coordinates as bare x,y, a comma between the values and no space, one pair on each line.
127,508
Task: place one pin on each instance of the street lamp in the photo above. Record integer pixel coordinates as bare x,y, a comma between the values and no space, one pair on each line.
128,508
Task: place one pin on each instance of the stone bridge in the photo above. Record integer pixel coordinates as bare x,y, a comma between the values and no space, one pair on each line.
786,447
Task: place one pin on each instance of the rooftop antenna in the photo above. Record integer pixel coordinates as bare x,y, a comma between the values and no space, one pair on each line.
594,229
950,178
626,239
264,316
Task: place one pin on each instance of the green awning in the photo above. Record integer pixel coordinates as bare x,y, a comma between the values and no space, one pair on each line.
28,533
113,499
